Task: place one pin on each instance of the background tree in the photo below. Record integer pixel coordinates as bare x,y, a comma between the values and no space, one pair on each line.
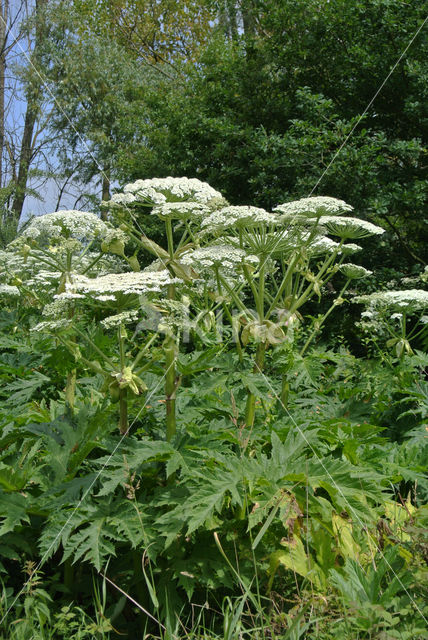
104,58
263,113
24,111
34,94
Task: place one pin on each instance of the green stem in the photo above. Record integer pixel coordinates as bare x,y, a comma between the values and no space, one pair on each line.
285,391
70,391
93,263
234,296
170,238
229,316
250,281
50,260
284,283
94,346
170,354
259,299
123,411
308,291
170,388
323,319
86,249
250,407
123,393
143,351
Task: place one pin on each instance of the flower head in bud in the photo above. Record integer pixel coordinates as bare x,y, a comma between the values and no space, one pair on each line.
354,271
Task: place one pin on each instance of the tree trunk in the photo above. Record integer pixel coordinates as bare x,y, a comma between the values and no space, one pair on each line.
4,11
248,20
33,95
105,190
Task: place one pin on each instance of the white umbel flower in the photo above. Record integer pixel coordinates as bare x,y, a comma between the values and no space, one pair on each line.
351,228
237,216
161,190
409,301
224,256
350,248
313,207
79,225
126,317
181,210
9,290
322,245
123,199
114,284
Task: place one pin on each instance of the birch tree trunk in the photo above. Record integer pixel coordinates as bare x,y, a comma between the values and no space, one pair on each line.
34,94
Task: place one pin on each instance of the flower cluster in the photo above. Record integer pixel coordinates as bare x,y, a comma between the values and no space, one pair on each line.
57,314
321,245
237,216
371,323
217,255
354,271
78,225
181,210
108,287
349,227
41,272
9,290
126,317
161,190
313,207
409,301
350,248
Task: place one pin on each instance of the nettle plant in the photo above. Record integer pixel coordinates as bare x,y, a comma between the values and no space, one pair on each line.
258,267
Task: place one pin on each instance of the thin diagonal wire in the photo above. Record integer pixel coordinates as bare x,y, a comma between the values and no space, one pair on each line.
391,71
76,508
335,484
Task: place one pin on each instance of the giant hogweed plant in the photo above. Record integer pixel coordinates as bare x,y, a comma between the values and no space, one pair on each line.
404,308
280,260
260,268
263,266
44,259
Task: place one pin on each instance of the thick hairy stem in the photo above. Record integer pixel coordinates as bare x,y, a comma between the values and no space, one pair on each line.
251,398
123,410
285,390
235,332
170,388
123,393
70,391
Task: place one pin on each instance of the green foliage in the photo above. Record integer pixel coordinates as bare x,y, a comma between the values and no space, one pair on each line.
264,147
247,463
